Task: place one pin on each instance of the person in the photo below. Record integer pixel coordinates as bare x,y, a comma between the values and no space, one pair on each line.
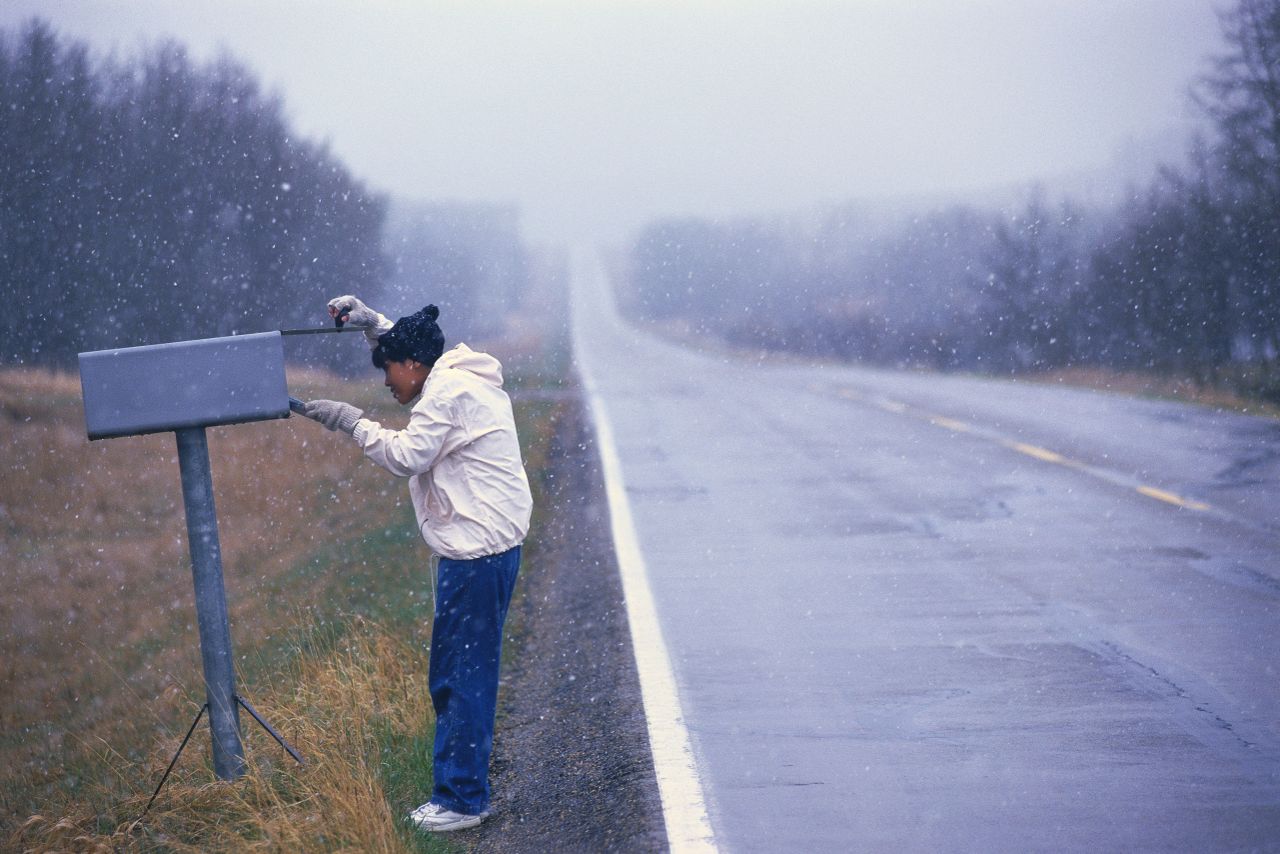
472,501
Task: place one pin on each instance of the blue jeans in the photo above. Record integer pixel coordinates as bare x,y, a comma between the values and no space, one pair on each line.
466,647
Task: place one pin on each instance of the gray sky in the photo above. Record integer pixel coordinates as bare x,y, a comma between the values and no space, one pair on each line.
594,116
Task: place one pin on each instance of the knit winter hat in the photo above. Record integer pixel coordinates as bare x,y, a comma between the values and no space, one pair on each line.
416,337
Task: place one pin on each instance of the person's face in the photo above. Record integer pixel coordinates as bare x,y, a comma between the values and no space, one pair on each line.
405,379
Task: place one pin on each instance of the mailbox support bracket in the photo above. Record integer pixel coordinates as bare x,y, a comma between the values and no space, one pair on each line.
174,761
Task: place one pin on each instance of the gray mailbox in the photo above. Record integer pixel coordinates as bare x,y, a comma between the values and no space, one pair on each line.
185,387
200,383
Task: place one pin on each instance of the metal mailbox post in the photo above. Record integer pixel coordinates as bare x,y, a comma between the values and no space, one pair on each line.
184,387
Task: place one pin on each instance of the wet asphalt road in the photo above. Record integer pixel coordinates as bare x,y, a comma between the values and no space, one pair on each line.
911,612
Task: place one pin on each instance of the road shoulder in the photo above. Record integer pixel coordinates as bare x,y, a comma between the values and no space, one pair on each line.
572,769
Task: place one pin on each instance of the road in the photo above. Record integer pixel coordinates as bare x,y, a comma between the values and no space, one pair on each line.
918,612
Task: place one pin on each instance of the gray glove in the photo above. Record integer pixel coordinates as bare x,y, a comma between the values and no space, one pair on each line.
351,310
333,414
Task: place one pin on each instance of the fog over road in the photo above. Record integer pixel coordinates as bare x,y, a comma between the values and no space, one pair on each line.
909,611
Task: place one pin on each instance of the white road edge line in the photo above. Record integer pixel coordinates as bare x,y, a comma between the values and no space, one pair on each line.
683,806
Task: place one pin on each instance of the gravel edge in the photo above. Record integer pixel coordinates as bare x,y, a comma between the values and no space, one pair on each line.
571,769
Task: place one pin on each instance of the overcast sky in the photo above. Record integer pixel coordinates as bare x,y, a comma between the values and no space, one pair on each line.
594,116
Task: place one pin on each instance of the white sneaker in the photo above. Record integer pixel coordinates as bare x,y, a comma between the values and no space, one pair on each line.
434,818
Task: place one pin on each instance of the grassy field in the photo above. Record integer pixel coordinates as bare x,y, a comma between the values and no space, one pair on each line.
1250,390
329,598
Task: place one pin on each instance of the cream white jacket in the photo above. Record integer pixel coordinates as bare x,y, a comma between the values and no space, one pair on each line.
462,458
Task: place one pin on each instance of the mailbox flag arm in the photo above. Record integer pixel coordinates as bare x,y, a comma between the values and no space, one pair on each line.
320,331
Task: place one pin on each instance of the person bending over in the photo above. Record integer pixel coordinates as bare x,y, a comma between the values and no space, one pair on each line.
471,498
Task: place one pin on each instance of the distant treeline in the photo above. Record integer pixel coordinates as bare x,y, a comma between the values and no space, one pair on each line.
467,258
157,199
1183,278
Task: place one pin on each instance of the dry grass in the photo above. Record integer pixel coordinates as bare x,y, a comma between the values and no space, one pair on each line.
99,656
100,671
1153,385
341,708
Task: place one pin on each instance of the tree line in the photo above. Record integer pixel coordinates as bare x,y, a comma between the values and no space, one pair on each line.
157,199
1181,278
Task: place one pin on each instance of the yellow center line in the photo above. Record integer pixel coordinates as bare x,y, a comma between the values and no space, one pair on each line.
1170,498
1035,451
950,423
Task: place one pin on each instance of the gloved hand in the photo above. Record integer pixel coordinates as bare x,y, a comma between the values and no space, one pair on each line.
333,414
351,310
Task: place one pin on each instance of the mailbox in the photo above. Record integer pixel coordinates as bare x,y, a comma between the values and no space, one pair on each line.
185,387
151,389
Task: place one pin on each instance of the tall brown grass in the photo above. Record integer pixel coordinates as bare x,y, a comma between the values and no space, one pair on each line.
338,707
1242,389
99,654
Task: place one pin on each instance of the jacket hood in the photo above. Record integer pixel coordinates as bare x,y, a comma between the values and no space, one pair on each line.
463,358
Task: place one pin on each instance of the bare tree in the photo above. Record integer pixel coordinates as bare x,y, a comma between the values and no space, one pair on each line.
1242,95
